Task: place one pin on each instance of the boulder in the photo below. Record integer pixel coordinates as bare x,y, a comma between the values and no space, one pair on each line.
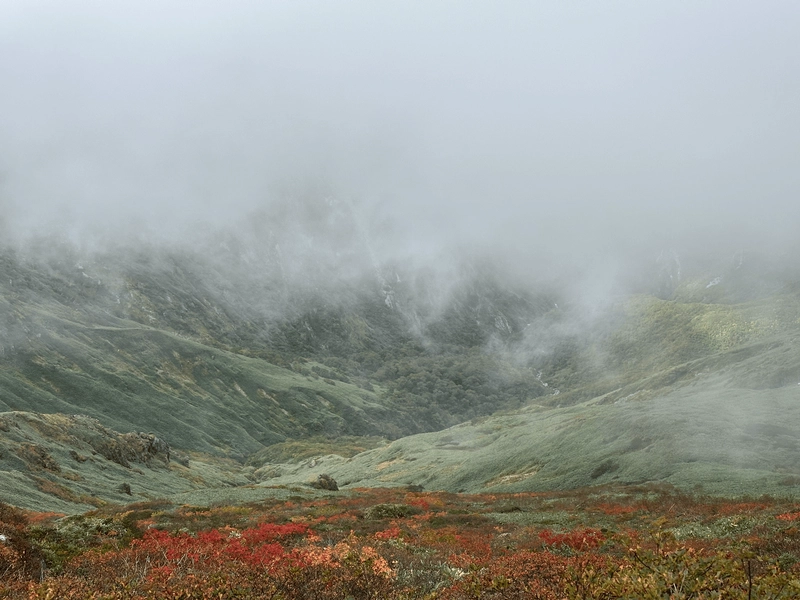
325,482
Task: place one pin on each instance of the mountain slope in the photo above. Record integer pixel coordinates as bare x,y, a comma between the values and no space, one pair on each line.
726,423
72,463
163,343
483,385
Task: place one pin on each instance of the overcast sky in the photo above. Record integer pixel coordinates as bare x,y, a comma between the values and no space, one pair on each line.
595,125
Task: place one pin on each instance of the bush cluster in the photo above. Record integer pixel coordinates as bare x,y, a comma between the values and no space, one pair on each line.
396,544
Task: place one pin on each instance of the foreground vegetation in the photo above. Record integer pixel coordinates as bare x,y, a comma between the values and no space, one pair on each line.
611,542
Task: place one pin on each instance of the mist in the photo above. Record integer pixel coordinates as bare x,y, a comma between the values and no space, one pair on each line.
555,137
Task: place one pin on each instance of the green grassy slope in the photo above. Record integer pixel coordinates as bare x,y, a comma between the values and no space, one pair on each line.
73,463
168,343
505,390
726,420
197,396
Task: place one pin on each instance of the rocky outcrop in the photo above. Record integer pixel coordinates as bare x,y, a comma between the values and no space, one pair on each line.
37,458
127,448
87,435
325,482
71,463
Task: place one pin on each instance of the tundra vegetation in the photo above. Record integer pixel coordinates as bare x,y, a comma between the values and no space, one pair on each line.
639,542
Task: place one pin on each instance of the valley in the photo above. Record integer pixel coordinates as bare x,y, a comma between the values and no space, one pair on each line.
477,387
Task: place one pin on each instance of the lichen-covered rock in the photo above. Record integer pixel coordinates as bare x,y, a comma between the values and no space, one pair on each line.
38,458
325,482
128,448
80,430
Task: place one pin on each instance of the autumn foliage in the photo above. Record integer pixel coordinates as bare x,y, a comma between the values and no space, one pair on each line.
392,544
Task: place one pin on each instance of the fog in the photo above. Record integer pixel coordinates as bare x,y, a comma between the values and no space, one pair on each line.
552,134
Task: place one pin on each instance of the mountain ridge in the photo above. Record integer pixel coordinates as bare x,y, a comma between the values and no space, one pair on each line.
164,342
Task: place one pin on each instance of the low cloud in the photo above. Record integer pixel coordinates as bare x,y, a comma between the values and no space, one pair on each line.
549,135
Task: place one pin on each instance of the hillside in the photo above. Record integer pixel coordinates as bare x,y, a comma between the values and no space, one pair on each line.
725,421
73,464
165,346
472,384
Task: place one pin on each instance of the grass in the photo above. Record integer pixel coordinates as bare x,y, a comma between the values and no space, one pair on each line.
300,450
178,388
78,477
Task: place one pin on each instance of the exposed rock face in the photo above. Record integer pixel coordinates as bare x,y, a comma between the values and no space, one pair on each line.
37,458
326,482
68,463
85,434
134,447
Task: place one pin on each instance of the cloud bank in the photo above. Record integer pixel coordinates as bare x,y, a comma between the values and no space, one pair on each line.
550,132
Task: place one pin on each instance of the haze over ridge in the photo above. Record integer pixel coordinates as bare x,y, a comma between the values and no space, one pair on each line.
547,132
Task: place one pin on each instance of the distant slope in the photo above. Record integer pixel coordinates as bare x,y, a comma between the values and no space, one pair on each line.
167,343
496,387
727,423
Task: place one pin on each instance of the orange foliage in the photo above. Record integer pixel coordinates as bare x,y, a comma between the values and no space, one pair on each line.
580,539
617,509
324,549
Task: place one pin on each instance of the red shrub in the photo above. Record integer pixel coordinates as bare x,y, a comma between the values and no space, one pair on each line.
580,539
531,575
